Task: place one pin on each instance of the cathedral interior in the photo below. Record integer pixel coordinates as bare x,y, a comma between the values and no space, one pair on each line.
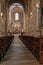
21,32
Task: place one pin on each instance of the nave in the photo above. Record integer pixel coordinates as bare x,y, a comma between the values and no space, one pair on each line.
24,17
18,54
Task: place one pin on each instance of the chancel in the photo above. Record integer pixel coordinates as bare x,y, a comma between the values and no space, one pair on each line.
21,32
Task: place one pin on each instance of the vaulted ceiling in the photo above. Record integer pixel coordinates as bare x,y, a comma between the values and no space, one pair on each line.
23,2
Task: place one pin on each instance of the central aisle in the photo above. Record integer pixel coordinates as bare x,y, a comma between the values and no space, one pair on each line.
18,54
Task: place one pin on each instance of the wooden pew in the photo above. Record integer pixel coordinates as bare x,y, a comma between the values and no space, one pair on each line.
5,42
38,51
28,41
35,44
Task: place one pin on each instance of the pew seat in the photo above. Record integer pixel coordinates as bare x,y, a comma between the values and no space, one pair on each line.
5,42
35,45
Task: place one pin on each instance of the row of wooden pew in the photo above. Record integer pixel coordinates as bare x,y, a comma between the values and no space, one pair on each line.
35,44
5,42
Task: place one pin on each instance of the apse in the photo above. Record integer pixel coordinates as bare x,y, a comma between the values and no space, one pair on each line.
16,16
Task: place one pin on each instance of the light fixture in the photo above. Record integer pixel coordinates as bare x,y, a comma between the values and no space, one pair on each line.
1,14
37,5
31,13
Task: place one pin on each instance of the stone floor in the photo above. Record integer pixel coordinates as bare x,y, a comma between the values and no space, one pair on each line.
18,54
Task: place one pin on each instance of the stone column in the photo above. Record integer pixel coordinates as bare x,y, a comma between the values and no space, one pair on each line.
0,8
29,11
5,18
2,26
26,18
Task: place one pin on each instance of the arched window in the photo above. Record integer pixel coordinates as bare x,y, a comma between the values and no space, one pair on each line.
16,16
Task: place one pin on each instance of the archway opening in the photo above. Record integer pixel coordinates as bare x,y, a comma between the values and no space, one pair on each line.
16,18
